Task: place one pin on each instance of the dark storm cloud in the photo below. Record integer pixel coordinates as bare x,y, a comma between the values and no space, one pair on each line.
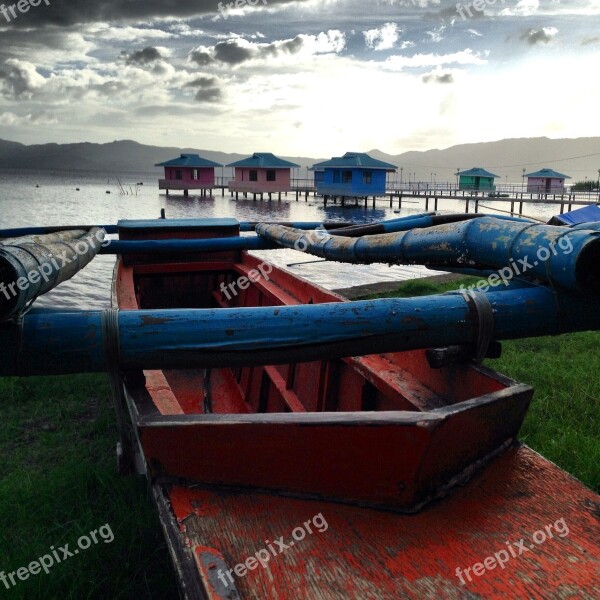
64,13
209,89
232,53
203,82
209,95
538,36
200,57
438,78
235,52
143,57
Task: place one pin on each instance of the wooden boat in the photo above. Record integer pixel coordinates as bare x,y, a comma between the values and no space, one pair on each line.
302,480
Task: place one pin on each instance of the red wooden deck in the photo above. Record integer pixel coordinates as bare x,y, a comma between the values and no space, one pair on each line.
367,554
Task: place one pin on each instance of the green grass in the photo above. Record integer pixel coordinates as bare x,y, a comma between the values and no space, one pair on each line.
58,481
563,423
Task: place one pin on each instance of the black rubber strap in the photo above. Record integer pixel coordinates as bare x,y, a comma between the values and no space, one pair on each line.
480,306
110,336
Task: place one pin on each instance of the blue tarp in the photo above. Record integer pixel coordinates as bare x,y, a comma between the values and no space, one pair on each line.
587,214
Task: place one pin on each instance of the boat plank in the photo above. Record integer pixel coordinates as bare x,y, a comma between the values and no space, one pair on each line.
376,555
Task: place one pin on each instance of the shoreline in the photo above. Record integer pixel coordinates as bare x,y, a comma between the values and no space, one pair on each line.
383,287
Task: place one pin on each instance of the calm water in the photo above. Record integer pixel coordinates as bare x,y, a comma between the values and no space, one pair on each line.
57,202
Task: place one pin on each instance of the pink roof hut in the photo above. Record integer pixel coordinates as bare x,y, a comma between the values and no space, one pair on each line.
546,181
262,173
188,172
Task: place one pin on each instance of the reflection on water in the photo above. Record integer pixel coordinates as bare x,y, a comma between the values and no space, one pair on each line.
58,202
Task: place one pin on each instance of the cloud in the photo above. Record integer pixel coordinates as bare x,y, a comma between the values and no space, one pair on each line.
66,13
208,91
201,56
238,50
443,78
523,8
10,119
383,38
146,56
20,79
209,95
464,57
540,36
233,52
436,35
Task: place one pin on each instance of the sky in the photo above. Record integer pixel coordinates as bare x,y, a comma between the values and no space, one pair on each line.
299,78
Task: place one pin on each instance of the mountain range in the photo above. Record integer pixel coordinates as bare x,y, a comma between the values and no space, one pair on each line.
578,158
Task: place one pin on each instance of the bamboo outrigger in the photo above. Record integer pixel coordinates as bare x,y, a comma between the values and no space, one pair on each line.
256,402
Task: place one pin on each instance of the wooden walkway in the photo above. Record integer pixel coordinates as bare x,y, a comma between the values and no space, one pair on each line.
432,198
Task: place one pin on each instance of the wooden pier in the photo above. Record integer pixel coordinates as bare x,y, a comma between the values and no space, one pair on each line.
432,197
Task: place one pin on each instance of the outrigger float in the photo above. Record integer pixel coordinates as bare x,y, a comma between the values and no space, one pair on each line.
255,401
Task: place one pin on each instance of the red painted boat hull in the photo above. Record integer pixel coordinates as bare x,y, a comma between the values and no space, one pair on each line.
241,457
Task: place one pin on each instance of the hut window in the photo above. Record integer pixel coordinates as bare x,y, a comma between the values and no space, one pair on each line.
253,175
368,177
347,177
178,174
271,175
336,177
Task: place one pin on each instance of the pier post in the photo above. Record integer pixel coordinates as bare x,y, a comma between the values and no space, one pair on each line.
436,204
426,203
400,200
467,206
477,205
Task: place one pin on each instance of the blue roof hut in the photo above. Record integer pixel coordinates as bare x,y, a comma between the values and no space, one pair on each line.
354,175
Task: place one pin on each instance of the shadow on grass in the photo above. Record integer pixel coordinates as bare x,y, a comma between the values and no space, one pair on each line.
59,481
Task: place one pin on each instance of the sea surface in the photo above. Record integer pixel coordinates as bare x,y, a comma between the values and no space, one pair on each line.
44,198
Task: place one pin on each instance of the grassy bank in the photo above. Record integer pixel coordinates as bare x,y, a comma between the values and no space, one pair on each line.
563,423
58,482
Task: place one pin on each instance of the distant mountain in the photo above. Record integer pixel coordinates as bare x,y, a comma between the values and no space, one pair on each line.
118,156
578,158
